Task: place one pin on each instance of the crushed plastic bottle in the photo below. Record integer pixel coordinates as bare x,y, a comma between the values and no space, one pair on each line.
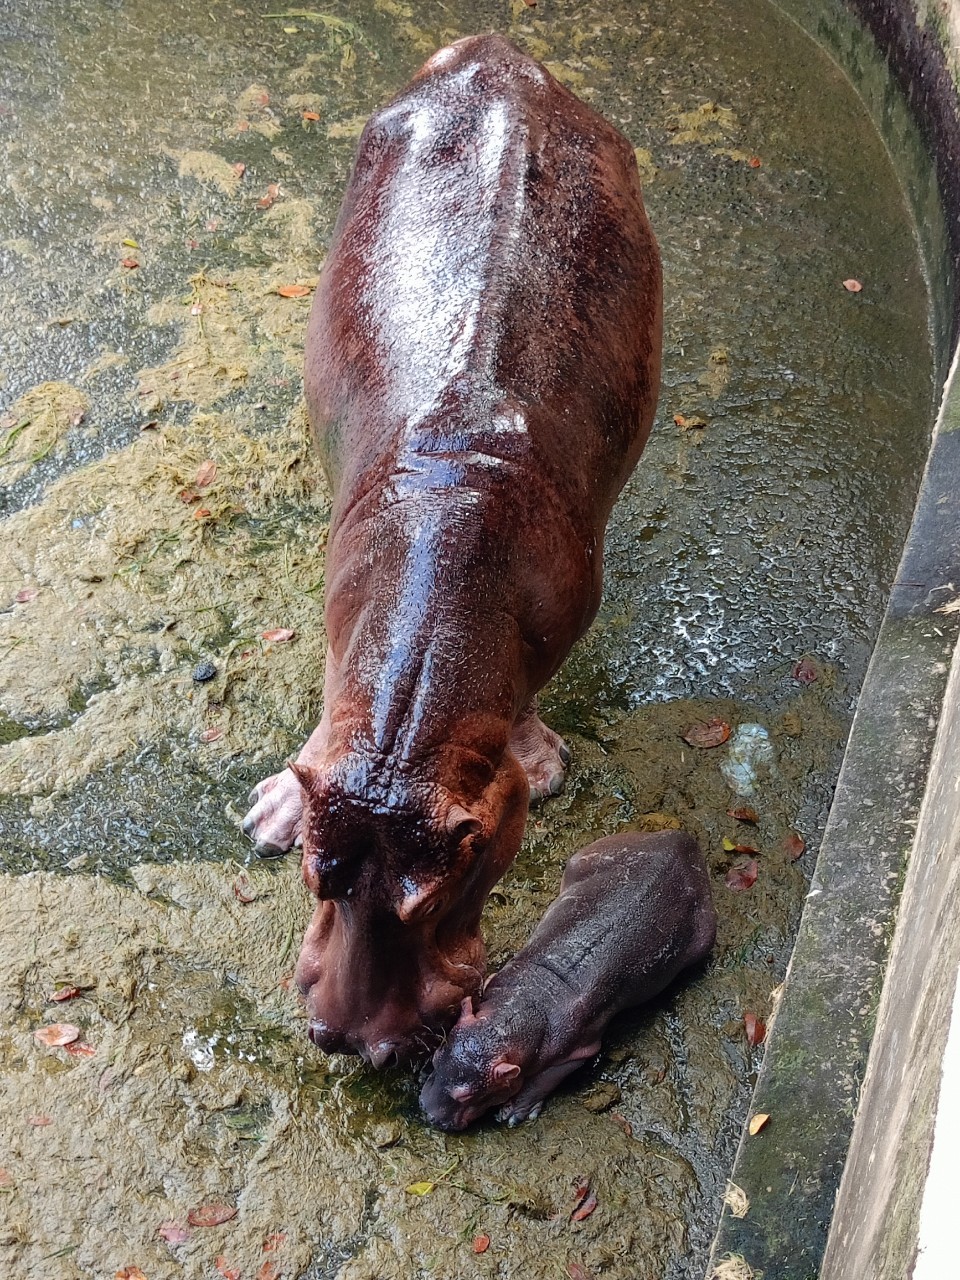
750,748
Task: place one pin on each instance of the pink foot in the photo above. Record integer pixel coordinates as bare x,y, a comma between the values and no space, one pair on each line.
274,822
542,753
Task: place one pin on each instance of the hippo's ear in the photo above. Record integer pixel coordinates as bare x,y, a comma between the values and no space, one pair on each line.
460,822
467,1013
505,1071
306,776
420,902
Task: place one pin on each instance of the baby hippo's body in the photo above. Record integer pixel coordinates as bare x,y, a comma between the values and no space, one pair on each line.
633,912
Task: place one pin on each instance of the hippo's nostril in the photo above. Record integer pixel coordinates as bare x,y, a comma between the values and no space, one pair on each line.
379,1055
564,754
556,784
254,795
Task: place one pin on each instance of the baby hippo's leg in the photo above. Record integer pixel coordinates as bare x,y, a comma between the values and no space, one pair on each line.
274,820
526,1104
542,754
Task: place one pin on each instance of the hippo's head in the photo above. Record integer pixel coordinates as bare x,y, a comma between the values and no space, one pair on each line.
401,877
473,1072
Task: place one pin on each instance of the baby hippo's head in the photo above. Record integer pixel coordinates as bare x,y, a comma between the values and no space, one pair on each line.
474,1071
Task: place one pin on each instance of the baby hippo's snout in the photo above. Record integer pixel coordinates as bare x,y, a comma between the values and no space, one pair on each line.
634,911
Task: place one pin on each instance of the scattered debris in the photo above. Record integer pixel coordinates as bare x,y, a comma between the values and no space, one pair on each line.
736,1200
203,672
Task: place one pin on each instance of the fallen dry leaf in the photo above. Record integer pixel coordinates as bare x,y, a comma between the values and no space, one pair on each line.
26,594
679,420
852,286
269,1271
743,813
576,1272
273,190
242,126
188,496
80,1049
131,264
56,1034
755,1028
278,635
202,513
228,1272
275,1241
311,115
173,1232
806,671
794,845
244,892
239,169
211,1215
584,1208
708,733
622,1122
294,290
6,1178
130,1273
581,1186
757,1122
420,1188
481,1244
206,474
754,162
742,876
211,735
39,1121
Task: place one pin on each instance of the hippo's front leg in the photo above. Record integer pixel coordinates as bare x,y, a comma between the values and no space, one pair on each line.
274,821
543,755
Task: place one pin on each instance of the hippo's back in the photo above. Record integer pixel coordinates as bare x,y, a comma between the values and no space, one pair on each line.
493,285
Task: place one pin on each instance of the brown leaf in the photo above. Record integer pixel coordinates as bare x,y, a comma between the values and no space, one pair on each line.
278,635
585,1208
80,1049
294,290
745,848
131,264
275,1241
239,169
311,115
39,1121
188,496
130,1273
481,1244
56,1034
852,286
581,1186
269,1270
758,1122
211,1215
755,1028
743,813
26,594
173,1232
244,892
708,733
794,845
228,1272
206,474
211,735
742,876
576,1272
202,513
806,671
679,420
754,162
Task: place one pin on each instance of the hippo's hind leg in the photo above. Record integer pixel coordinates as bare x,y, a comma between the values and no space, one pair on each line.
542,753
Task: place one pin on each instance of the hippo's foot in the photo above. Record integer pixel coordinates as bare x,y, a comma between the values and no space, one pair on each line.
542,753
274,822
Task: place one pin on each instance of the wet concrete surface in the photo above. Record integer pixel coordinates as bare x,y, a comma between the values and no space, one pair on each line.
765,535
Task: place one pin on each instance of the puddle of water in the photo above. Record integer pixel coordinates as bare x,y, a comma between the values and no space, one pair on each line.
766,535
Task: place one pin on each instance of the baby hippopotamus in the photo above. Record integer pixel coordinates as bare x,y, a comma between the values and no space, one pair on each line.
633,912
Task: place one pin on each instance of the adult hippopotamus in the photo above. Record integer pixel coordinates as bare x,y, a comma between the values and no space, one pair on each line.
482,366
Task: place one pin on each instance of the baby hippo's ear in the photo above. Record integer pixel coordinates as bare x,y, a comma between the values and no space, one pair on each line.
466,1011
503,1072
460,823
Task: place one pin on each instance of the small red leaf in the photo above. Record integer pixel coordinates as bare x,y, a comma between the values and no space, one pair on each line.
278,635
211,735
754,162
211,1215
742,876
311,115
202,513
244,892
622,1122
585,1208
173,1232
581,1186
755,1028
26,594
794,845
745,848
576,1272
206,474
275,1241
228,1272
806,671
65,993
294,290
129,1273
80,1049
239,169
707,733
39,1121
188,496
131,264
56,1034
268,1271
481,1244
743,813
852,286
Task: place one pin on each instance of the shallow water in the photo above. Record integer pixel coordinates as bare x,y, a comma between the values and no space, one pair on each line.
766,535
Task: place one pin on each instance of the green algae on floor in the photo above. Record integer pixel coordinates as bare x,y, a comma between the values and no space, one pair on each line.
209,145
